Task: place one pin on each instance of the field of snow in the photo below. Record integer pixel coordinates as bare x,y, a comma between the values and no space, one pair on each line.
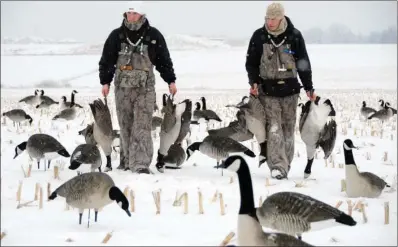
339,71
334,67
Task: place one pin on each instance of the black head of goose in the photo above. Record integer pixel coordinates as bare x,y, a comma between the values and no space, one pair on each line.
250,232
360,184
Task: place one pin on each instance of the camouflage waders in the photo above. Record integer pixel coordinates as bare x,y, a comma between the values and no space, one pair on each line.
135,99
279,73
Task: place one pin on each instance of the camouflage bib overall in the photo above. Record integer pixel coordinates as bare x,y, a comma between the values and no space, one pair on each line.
135,99
277,69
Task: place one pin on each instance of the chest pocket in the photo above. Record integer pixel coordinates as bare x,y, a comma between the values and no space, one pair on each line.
277,61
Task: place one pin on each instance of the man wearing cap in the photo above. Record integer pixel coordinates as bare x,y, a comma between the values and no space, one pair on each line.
275,56
129,54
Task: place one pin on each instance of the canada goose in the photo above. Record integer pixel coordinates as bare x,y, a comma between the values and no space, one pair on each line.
32,100
46,101
360,184
156,122
88,134
218,148
394,111
210,114
175,157
103,130
91,190
366,111
86,154
236,130
295,213
170,129
250,232
65,104
317,127
185,122
18,116
382,115
42,146
381,105
67,113
255,122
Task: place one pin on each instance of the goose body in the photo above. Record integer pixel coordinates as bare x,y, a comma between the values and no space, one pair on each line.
236,130
170,129
103,130
360,184
88,134
42,146
208,114
46,101
394,111
249,229
91,190
175,157
317,126
18,115
32,100
366,111
86,154
383,115
296,213
218,148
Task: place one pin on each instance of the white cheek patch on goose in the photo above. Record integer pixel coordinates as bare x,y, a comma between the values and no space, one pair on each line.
234,165
346,147
120,204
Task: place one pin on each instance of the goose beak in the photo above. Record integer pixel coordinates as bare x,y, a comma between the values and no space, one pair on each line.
128,212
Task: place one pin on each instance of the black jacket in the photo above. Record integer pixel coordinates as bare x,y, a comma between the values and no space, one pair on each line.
158,52
255,51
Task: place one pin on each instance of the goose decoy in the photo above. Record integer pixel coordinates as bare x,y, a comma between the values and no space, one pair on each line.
394,111
18,116
360,184
42,146
381,104
88,134
86,154
32,100
103,130
317,127
218,148
185,121
91,190
170,129
175,157
46,101
67,113
366,111
250,232
255,122
236,130
382,115
209,114
66,104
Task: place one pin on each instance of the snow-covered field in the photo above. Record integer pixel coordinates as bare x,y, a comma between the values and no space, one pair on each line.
335,68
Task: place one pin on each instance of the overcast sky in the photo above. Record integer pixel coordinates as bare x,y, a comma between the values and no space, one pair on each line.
93,21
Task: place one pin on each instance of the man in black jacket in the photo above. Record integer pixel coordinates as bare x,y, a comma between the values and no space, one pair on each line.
276,54
129,55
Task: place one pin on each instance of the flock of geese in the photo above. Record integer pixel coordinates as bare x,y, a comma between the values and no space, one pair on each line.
289,213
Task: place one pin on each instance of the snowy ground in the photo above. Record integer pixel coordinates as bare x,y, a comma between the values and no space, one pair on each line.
54,225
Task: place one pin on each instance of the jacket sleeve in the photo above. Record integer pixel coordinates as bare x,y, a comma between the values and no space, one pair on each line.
107,63
163,62
253,57
303,63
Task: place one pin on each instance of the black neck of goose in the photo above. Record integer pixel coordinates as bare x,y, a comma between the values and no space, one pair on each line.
197,107
349,157
204,104
72,99
246,189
